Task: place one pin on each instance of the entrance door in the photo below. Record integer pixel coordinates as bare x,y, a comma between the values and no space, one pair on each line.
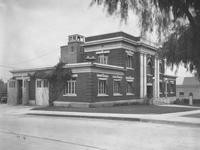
19,99
42,92
149,91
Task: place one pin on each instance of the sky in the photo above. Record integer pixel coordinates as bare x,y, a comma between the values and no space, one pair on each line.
32,31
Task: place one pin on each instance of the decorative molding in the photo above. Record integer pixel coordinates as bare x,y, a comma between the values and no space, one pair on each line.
130,53
120,38
117,77
96,70
103,52
110,46
129,79
102,76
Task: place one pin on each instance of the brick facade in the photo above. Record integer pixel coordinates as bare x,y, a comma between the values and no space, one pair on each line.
126,58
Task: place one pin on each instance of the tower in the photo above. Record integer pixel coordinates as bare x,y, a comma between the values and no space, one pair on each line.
73,52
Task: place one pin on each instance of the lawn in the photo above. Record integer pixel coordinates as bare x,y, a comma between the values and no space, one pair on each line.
131,109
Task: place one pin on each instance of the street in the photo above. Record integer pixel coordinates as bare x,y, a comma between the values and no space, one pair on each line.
23,132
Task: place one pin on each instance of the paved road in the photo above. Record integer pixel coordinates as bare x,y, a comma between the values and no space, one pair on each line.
21,132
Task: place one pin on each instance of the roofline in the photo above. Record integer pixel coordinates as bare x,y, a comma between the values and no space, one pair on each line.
90,64
31,69
74,65
120,38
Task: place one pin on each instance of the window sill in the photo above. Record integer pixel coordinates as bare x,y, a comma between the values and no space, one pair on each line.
69,95
129,68
130,94
102,95
117,94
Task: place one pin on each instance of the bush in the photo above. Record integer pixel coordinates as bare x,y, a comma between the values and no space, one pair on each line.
148,100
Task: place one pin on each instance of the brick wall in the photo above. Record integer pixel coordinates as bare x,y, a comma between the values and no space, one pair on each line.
72,53
87,90
84,88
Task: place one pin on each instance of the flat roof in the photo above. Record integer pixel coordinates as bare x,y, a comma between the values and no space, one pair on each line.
111,35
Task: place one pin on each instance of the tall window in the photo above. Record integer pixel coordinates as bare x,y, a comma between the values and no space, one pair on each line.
103,59
70,88
45,83
129,62
101,86
129,89
116,87
39,83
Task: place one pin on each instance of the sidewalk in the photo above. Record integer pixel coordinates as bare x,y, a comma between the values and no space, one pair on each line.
177,118
169,118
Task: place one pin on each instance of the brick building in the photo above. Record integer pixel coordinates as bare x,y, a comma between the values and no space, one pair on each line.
114,67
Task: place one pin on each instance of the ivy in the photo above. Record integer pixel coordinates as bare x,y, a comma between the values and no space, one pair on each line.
57,78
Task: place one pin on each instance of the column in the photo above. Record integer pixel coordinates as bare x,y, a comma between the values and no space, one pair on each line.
25,91
155,79
141,76
158,76
145,75
166,88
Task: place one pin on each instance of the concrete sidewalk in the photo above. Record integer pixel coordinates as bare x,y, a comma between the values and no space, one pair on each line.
169,118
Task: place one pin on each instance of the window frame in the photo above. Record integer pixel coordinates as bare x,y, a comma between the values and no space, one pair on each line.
45,83
129,62
37,83
103,58
103,91
118,83
72,90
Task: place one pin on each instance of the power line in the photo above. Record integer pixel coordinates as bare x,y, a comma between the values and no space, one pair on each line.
28,60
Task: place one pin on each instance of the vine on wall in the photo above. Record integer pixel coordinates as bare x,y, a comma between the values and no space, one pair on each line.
57,78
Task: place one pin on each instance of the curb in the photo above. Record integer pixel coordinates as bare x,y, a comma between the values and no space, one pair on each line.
180,123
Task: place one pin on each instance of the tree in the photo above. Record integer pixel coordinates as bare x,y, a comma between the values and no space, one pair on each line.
176,22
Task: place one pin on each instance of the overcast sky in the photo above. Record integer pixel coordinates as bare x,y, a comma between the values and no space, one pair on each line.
32,31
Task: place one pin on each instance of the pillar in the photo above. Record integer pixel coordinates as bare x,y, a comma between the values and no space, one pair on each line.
141,76
25,91
145,74
154,81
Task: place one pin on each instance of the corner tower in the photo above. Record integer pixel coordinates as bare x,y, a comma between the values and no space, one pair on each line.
73,52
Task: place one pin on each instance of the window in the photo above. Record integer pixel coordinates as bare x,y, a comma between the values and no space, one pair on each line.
181,93
161,67
45,83
101,87
116,87
103,59
129,89
39,83
70,88
161,87
129,62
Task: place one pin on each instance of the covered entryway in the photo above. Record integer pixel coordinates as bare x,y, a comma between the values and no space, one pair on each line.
19,92
42,92
149,91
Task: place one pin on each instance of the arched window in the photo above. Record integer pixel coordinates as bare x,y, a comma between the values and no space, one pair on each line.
149,66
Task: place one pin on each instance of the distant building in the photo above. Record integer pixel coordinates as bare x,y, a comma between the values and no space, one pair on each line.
188,86
124,69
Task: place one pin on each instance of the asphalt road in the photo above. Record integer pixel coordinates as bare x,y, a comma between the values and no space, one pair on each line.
21,132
